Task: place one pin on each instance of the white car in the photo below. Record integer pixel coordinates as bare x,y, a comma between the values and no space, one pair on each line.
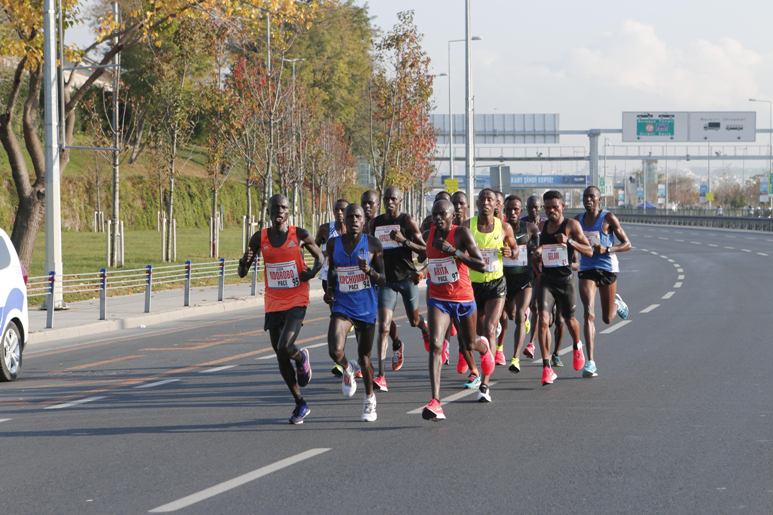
14,323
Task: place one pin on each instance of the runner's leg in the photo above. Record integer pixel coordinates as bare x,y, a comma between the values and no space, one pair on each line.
283,338
365,335
492,311
520,305
588,298
438,325
384,321
608,306
336,339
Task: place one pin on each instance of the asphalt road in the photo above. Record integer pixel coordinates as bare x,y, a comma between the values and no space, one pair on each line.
192,416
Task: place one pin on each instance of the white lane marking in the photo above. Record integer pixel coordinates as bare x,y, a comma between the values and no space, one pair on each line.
680,241
662,238
157,383
745,250
680,277
451,398
761,254
696,243
654,253
713,245
670,260
75,403
316,345
668,295
4,420
678,284
216,369
666,257
644,250
237,481
615,327
676,265
729,248
649,308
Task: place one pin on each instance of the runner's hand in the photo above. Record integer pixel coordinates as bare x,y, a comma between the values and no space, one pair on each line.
562,238
418,276
397,236
444,246
305,275
507,251
246,262
328,298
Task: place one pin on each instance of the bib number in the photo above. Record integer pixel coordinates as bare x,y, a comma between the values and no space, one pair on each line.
443,270
554,256
351,279
490,259
384,234
282,275
521,260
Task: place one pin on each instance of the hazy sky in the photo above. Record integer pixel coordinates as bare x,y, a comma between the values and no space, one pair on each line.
589,61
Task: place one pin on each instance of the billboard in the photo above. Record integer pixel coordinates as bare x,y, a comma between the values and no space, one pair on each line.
698,126
526,181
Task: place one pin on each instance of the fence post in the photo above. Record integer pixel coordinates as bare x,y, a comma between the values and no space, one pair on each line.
102,294
50,303
221,281
187,290
148,286
254,285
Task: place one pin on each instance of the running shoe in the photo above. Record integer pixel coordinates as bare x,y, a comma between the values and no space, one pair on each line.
300,412
590,370
487,359
453,330
303,369
348,384
425,337
484,393
357,370
337,370
433,411
445,355
499,357
579,357
529,350
473,382
369,409
527,325
548,376
461,365
622,307
515,365
397,358
555,361
380,384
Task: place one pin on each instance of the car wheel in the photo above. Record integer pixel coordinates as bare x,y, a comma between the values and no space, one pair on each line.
10,353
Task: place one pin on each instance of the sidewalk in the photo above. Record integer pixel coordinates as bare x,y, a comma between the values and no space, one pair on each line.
127,312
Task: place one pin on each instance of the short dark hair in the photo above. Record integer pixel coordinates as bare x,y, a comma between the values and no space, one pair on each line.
442,195
341,200
552,194
591,188
458,194
486,190
513,196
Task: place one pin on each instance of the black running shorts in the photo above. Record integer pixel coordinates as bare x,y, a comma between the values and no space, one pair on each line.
278,319
558,293
600,277
484,292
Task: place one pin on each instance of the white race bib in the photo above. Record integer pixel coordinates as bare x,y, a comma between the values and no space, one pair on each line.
491,259
593,237
282,275
521,260
383,234
443,270
554,256
351,279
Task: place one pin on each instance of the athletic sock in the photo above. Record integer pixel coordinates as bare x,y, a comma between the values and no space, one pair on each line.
545,362
396,344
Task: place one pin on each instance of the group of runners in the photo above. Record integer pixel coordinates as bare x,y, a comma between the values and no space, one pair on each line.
481,271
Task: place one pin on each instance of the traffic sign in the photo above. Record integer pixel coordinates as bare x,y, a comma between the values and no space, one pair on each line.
452,185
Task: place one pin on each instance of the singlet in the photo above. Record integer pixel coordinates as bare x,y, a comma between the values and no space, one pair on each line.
284,288
490,245
354,296
449,278
596,235
519,265
332,232
398,260
556,258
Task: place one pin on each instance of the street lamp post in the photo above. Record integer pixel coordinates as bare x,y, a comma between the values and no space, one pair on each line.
294,61
469,157
450,108
770,138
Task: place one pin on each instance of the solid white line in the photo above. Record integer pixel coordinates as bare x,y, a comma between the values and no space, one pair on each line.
157,383
615,327
761,254
649,308
451,398
745,250
74,403
668,295
4,420
216,369
678,284
680,277
237,481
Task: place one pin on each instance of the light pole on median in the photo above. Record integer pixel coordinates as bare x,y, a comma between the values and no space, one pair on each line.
770,138
469,157
450,108
294,61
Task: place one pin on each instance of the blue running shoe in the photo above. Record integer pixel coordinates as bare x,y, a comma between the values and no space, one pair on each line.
590,370
622,307
555,361
473,382
300,412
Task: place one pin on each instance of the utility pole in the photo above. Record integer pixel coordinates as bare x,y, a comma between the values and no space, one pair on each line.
468,112
116,238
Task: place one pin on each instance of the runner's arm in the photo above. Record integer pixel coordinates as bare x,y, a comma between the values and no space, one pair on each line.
376,273
250,255
314,250
422,256
413,239
614,226
329,297
577,239
467,251
321,236
509,241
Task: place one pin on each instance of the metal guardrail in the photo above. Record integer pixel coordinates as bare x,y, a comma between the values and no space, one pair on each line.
106,283
662,217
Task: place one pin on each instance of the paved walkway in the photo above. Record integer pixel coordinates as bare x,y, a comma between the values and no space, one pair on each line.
127,311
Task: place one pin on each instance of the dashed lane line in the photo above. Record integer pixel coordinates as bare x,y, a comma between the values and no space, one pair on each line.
615,327
678,284
761,254
453,397
745,250
75,403
237,481
696,243
713,245
680,241
729,248
649,308
680,277
216,369
4,420
157,383
668,295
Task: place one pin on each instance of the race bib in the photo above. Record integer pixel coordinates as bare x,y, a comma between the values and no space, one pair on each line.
554,256
521,260
383,234
490,259
443,270
593,237
351,279
282,275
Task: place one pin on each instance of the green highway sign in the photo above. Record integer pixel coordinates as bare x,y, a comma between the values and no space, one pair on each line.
655,127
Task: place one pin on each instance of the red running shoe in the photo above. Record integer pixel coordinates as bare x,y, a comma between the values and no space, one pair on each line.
398,358
433,411
461,365
445,355
529,350
499,357
579,357
486,360
548,376
380,384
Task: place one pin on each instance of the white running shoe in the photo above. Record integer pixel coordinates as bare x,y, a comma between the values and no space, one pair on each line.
369,409
348,383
